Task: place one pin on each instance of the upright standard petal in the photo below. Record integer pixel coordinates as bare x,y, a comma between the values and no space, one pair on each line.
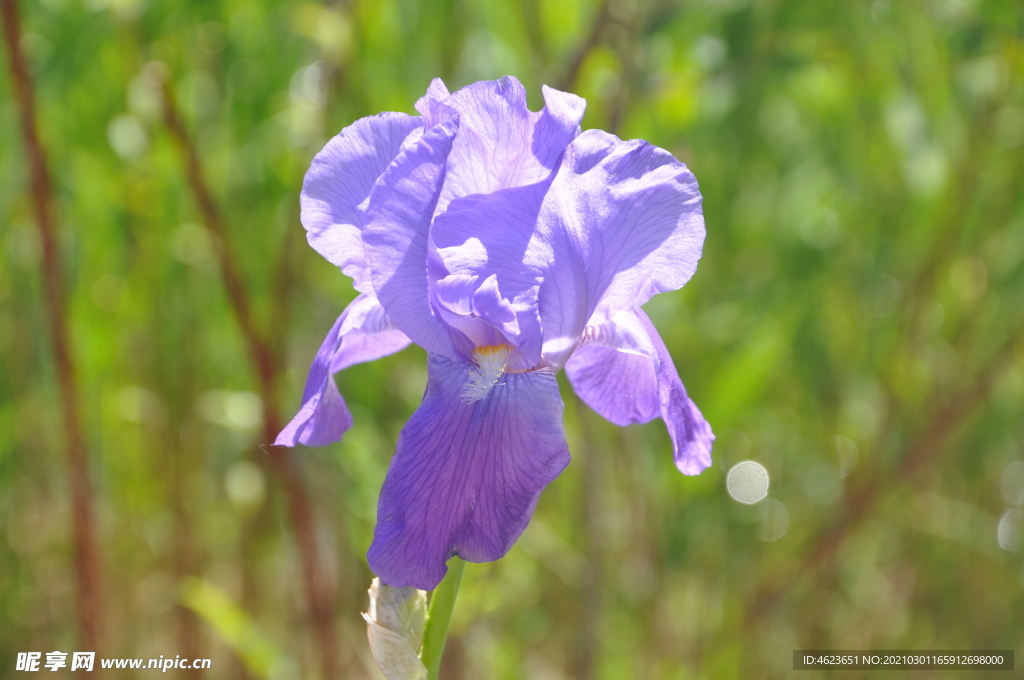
338,183
362,333
466,475
621,223
502,143
489,236
397,231
477,309
432,105
623,371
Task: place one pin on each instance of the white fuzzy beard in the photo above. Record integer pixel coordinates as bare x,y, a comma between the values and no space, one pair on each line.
491,362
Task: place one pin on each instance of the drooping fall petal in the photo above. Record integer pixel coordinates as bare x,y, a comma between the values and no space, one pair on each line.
362,333
466,475
624,372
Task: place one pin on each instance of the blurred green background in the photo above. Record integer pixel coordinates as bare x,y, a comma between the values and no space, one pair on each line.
855,326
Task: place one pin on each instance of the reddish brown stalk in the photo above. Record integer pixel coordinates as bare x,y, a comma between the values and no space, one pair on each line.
86,552
319,595
259,351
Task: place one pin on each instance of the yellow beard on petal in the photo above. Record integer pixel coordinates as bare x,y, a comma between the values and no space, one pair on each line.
491,362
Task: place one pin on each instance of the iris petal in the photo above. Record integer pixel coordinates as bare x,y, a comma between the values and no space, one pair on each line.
621,386
477,310
625,373
338,183
466,475
362,333
488,236
396,236
502,143
432,105
620,222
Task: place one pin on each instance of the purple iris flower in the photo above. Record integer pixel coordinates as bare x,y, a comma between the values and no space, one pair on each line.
508,244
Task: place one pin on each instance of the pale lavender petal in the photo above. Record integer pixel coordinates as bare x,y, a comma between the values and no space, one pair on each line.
361,333
502,143
621,222
366,335
488,236
432,106
398,218
338,183
477,310
621,386
360,348
455,293
491,306
323,417
558,124
623,371
452,296
466,476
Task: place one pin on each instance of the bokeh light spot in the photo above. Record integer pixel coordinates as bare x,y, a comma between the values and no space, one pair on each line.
846,455
747,482
234,410
127,137
1012,482
774,520
245,485
1008,531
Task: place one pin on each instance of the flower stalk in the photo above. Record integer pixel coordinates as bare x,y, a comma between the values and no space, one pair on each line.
439,617
266,364
87,566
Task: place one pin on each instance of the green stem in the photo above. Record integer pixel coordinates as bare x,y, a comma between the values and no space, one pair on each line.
439,617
